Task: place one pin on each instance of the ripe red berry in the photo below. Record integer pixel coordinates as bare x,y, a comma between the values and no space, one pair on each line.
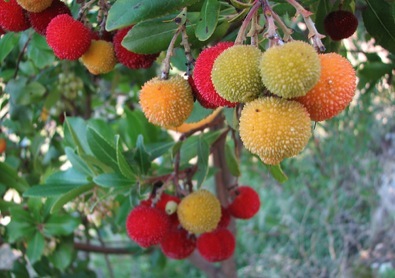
147,226
178,244
225,218
216,246
2,31
12,17
162,205
206,93
340,24
40,21
246,203
68,38
128,58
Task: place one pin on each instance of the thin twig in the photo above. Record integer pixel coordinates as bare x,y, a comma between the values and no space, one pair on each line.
21,54
108,263
241,34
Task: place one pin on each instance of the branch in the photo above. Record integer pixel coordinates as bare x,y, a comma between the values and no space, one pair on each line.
104,250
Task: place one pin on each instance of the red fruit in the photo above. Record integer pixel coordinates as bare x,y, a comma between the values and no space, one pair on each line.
161,204
216,246
68,38
178,244
12,17
246,204
147,226
128,58
2,31
225,218
40,21
206,93
340,24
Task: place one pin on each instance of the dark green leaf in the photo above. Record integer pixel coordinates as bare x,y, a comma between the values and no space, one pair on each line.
70,195
124,167
77,162
231,160
63,255
208,19
159,149
128,12
142,157
9,177
231,117
113,180
198,113
18,230
39,52
7,43
154,35
60,225
75,134
203,152
277,173
380,23
35,247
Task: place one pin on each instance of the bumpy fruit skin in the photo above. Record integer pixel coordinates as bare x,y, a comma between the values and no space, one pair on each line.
68,38
274,128
34,6
147,226
225,218
128,58
186,127
167,102
340,24
100,57
334,91
235,73
290,70
206,93
162,204
199,212
12,17
216,246
3,145
178,244
246,204
40,21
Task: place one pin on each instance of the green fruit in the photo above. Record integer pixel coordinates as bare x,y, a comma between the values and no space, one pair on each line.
290,70
235,73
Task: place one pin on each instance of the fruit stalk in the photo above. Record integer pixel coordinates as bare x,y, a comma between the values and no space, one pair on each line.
241,34
313,33
271,29
187,47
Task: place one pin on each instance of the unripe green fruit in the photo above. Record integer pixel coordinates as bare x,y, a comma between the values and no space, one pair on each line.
235,73
290,70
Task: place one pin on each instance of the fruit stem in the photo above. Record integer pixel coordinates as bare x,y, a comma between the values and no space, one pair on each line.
102,15
180,21
241,34
287,31
271,29
313,33
187,47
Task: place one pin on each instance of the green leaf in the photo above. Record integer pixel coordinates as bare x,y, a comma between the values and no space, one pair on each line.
60,225
18,230
113,180
102,148
128,12
23,93
9,177
70,195
277,173
198,113
7,43
78,163
154,35
159,149
142,157
20,215
203,152
231,117
62,257
35,247
380,23
231,160
75,134
124,167
39,52
208,19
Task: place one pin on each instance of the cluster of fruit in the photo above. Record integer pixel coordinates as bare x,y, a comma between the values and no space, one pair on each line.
283,89
69,38
198,221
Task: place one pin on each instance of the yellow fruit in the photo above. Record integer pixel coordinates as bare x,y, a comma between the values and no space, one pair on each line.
100,57
274,128
199,212
34,6
186,127
235,73
290,70
167,102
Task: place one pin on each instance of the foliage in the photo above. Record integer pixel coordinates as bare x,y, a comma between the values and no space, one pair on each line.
80,153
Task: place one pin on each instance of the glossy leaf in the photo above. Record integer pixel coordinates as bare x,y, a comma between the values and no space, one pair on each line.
128,12
203,153
7,43
35,247
60,225
75,134
208,19
63,254
77,162
113,180
142,157
69,196
124,167
231,160
9,178
198,113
